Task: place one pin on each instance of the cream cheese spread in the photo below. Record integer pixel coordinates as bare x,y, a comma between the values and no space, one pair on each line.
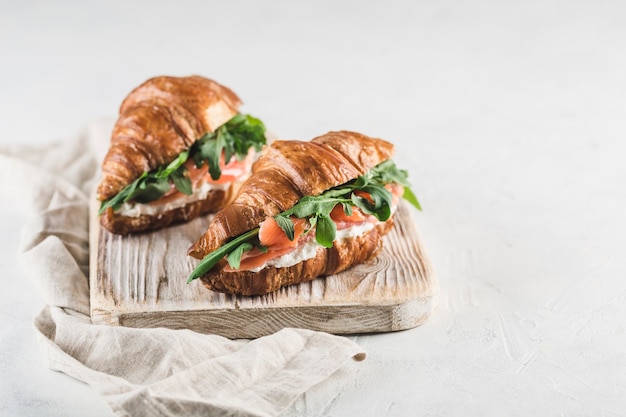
130,209
309,249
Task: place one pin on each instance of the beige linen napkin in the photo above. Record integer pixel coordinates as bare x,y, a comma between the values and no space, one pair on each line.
143,372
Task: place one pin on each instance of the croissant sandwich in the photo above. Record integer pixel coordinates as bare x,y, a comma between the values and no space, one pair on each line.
309,209
179,149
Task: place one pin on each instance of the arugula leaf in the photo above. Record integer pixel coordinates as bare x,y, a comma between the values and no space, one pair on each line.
381,205
325,231
387,172
250,131
173,166
151,186
317,209
225,141
211,149
181,181
340,191
411,198
286,225
347,208
235,137
234,258
177,173
121,197
314,205
149,190
214,257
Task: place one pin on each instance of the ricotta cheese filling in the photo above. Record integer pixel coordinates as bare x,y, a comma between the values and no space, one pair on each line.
133,209
309,249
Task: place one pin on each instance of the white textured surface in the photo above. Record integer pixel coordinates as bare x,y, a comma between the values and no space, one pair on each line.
509,116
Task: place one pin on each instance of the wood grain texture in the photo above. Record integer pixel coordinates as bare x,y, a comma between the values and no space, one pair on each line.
140,281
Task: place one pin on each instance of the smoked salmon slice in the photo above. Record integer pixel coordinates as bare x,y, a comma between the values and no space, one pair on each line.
255,258
275,240
343,221
273,237
231,172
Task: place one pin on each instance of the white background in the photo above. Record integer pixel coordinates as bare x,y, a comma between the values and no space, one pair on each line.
508,115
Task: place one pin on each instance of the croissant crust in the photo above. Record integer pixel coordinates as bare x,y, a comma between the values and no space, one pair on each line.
157,121
287,171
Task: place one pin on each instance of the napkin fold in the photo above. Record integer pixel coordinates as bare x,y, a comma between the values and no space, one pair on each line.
143,372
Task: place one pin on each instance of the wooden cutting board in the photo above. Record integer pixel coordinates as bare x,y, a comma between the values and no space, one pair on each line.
140,281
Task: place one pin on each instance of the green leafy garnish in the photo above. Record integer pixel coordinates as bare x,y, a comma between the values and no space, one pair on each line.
325,231
149,189
317,210
287,225
153,185
235,137
234,258
411,198
214,257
